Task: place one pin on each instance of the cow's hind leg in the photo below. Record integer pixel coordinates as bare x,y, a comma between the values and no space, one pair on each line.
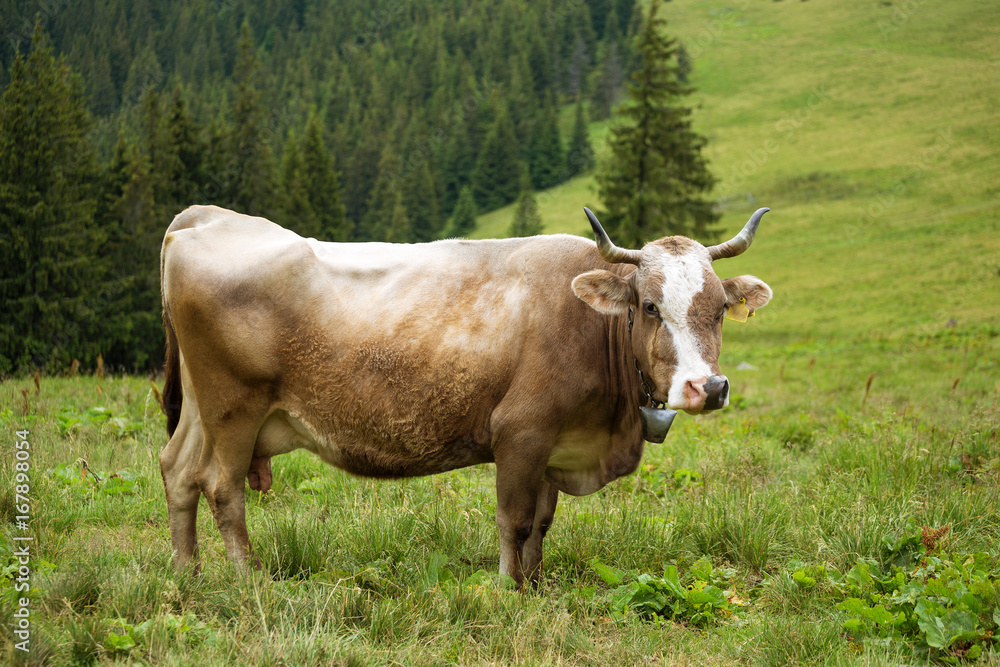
178,465
226,459
545,510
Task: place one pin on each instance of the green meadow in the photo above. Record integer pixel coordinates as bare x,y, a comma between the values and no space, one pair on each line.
803,525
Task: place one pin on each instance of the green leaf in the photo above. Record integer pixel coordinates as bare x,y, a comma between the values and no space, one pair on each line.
802,579
934,633
854,626
116,642
673,583
702,569
853,605
710,595
609,575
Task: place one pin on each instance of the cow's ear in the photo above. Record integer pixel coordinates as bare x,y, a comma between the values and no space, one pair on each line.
754,290
604,292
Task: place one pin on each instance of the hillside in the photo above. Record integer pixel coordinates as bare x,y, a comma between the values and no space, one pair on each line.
843,510
870,132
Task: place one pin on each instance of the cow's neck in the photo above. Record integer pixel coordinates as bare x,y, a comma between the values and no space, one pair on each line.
623,375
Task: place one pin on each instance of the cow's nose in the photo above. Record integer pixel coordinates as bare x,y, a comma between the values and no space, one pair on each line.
716,392
708,393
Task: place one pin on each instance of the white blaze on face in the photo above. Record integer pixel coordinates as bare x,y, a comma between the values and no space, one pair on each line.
683,279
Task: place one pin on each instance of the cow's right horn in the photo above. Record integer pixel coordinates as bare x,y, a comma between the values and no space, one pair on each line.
609,251
739,243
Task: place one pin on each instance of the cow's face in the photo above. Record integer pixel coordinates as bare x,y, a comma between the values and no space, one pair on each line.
678,306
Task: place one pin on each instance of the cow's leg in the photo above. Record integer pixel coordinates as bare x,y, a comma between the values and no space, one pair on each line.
178,464
520,471
226,459
545,509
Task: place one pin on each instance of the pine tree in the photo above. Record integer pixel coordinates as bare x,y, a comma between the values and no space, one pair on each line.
579,61
655,179
607,83
382,202
252,184
546,161
580,157
683,64
299,215
463,219
161,159
498,168
400,230
420,199
458,161
527,221
322,183
50,268
188,149
135,231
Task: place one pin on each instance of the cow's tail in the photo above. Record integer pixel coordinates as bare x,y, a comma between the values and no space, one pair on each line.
173,396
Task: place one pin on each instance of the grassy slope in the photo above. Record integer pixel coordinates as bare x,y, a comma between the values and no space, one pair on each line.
802,466
876,149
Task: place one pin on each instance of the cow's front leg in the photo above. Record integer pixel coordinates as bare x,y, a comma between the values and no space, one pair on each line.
545,510
521,493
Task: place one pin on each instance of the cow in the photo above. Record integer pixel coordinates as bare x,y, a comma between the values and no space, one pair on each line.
399,360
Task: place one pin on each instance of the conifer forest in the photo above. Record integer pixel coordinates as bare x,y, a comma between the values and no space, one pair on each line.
347,121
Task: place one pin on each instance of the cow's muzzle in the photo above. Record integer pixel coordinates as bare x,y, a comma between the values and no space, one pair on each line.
716,392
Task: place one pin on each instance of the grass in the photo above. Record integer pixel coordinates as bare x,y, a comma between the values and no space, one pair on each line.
858,412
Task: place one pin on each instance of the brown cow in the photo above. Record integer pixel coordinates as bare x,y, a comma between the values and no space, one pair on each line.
401,360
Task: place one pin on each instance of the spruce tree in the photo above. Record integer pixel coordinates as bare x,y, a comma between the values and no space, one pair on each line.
399,230
298,215
382,201
135,231
252,183
607,82
463,218
457,162
656,178
527,221
50,268
188,149
420,199
546,160
322,183
580,157
498,168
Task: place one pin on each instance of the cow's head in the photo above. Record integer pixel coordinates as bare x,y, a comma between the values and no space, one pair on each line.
679,304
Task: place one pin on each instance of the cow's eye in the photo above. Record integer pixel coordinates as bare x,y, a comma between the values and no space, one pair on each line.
650,308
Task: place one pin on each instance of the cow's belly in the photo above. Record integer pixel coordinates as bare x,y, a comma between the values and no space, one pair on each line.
283,432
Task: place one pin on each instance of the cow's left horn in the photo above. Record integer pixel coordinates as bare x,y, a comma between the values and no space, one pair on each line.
609,251
739,243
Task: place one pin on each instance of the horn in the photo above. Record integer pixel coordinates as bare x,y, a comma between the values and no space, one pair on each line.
739,243
609,251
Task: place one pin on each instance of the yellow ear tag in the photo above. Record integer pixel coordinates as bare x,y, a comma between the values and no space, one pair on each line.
738,312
